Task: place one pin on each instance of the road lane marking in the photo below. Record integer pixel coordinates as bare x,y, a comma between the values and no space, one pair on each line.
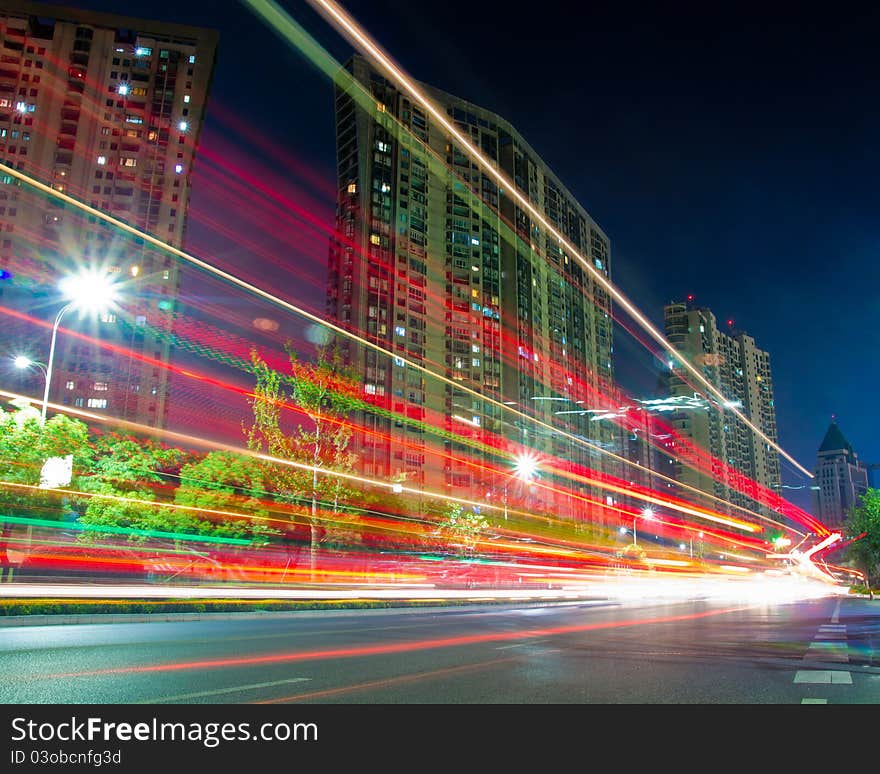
814,701
388,681
823,676
836,615
218,691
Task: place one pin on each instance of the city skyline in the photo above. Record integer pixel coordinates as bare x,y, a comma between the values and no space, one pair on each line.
637,183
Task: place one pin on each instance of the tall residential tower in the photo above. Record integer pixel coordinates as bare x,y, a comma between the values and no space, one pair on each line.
107,109
437,264
726,457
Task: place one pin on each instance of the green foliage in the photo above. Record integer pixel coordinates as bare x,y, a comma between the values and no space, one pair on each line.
125,482
462,527
864,552
326,392
225,481
25,445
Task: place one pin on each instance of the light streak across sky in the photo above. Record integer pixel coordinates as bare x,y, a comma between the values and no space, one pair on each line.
280,20
229,353
266,295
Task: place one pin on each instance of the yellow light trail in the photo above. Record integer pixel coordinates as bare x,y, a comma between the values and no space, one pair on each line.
266,295
356,34
392,486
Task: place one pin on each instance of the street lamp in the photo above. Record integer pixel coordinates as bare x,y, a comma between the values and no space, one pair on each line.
647,513
90,292
525,466
23,362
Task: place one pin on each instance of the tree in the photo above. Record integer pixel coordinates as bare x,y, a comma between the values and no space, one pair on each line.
326,392
25,445
863,527
225,481
462,527
126,477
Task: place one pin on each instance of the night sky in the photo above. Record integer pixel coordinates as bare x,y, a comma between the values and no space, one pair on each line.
730,154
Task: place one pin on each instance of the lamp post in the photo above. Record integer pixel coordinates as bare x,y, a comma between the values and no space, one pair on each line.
90,291
647,513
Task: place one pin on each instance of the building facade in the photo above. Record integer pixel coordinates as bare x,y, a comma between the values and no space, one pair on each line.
438,265
108,110
725,457
840,476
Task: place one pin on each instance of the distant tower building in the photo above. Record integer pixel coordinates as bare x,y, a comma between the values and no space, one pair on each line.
741,372
438,264
107,109
841,478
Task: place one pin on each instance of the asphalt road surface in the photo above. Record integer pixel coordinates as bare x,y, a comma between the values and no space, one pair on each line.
604,652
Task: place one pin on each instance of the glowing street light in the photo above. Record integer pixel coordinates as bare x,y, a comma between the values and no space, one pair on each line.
87,292
23,362
524,468
647,513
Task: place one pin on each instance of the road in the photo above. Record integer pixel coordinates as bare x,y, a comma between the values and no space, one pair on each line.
824,650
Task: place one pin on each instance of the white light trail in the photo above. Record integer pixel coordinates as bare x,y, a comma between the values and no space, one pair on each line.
356,34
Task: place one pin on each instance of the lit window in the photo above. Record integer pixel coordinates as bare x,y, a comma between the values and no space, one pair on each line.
100,386
69,385
108,317
192,58
178,168
352,188
102,159
97,403
129,162
143,51
186,97
374,238
183,126
124,88
399,330
383,146
166,274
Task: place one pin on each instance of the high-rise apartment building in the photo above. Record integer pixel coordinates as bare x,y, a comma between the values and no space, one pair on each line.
725,457
437,264
108,110
841,478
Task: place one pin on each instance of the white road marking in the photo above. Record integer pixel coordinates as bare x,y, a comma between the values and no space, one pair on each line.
814,701
218,691
836,616
520,644
823,676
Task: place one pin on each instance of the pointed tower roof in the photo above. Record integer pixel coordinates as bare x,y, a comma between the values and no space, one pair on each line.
834,440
